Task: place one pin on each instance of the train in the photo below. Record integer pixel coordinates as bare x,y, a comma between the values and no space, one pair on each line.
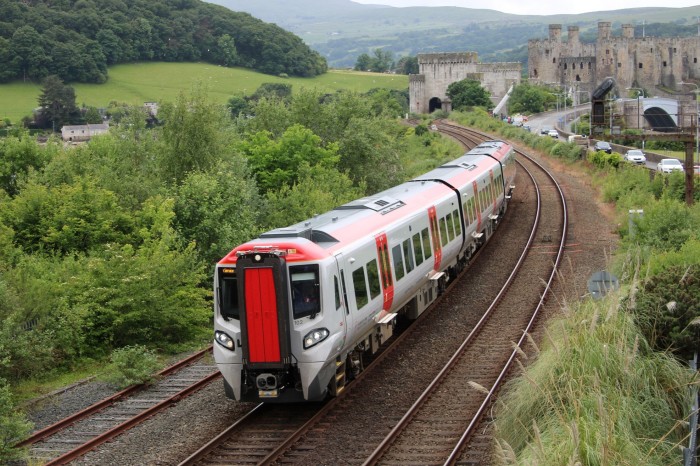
299,309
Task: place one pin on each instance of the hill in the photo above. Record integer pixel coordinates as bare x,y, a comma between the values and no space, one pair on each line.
160,82
78,40
341,30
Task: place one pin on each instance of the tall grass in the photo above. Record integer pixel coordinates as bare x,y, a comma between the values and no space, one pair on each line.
145,82
596,395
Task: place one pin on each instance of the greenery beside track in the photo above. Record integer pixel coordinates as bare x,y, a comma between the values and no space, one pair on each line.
610,385
111,244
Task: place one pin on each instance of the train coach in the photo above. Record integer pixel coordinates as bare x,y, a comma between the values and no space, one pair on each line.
298,308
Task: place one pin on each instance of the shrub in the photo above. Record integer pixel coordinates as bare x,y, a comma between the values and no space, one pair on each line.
13,426
131,365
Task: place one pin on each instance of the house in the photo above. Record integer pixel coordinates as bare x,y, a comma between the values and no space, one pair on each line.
77,133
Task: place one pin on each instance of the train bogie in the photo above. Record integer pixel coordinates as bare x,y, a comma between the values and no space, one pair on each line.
298,309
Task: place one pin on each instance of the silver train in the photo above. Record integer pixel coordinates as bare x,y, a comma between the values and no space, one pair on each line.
297,308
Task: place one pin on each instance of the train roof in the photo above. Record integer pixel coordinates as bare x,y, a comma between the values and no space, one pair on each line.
322,234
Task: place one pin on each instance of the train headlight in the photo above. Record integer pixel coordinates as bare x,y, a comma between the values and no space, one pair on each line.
224,340
315,336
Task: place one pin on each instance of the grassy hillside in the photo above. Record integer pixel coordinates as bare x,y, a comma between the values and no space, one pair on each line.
144,82
341,30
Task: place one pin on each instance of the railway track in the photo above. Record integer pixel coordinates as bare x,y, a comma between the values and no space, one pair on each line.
352,428
81,432
442,424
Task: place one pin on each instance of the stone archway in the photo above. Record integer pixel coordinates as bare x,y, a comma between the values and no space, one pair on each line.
434,104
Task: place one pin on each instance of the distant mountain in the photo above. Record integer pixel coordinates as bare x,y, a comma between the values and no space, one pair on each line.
341,30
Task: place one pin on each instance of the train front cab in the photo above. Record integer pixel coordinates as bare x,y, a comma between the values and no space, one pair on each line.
273,342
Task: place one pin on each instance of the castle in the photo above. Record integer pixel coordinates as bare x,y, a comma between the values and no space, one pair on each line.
634,62
428,88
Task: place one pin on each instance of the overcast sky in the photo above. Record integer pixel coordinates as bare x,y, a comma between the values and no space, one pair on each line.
541,7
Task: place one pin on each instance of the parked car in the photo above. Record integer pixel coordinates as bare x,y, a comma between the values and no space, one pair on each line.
669,165
553,133
604,146
545,130
635,156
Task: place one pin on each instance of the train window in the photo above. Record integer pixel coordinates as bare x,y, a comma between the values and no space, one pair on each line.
443,231
228,293
427,251
458,224
417,248
450,226
408,255
306,298
360,285
336,288
373,278
398,262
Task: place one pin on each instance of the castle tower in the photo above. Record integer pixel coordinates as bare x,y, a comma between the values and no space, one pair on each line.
573,35
628,31
555,32
604,30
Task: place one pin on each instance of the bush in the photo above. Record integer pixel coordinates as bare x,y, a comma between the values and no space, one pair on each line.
595,395
13,426
131,365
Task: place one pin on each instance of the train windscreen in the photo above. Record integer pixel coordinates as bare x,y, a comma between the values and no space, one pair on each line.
228,293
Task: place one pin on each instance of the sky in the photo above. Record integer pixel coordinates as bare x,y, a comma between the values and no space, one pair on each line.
540,7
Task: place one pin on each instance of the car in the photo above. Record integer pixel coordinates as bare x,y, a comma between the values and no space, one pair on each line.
553,133
604,146
669,165
635,156
545,130
527,128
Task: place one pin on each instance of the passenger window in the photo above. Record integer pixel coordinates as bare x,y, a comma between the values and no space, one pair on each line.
458,224
450,227
418,249
305,290
443,231
408,255
398,262
373,278
360,285
427,250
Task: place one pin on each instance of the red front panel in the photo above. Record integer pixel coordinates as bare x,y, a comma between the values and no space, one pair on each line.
261,316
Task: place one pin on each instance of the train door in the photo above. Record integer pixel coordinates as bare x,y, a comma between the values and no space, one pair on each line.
434,232
385,277
342,289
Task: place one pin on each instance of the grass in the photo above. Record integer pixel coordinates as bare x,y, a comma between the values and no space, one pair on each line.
148,82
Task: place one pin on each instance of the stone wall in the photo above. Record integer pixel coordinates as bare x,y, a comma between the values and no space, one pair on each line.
439,70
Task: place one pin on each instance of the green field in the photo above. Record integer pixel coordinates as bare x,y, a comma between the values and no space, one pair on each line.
162,82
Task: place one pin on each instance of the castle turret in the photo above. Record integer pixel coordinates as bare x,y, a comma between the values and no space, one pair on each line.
573,34
603,30
628,31
555,32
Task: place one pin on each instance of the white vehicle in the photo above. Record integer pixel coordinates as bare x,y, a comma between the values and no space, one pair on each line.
553,133
669,165
635,156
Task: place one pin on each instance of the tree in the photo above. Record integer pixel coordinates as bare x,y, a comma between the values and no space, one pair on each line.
527,98
276,162
468,93
363,63
228,55
193,134
29,56
407,65
57,102
383,61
